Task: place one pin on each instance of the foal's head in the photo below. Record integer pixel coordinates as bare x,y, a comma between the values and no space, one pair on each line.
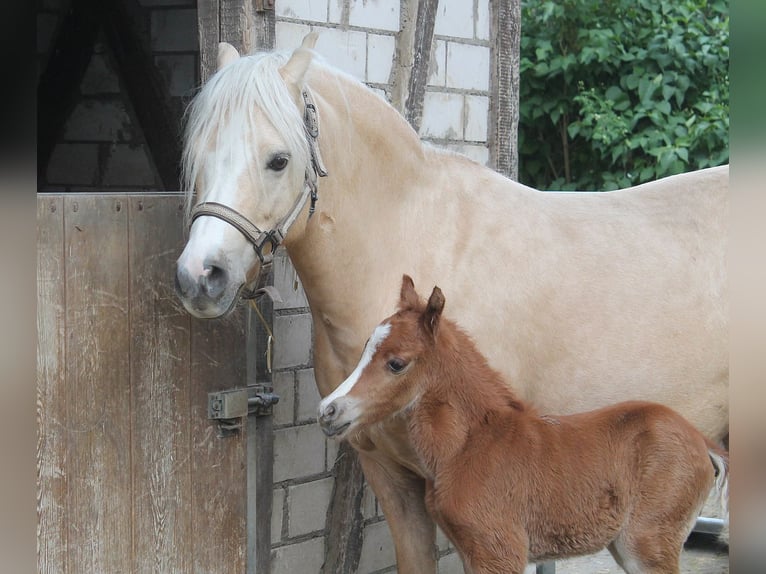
389,376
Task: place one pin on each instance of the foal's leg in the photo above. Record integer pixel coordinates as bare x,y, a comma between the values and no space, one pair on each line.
402,496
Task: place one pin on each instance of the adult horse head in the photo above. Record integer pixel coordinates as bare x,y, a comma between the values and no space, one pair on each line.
254,162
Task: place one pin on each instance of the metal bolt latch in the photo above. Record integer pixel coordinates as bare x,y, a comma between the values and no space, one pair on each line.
230,407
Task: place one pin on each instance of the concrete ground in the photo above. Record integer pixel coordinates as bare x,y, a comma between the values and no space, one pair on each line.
703,554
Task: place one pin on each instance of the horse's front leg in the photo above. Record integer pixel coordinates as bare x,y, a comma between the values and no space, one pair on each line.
401,493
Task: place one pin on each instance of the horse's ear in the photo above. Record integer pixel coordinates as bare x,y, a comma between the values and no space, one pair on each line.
433,311
226,54
408,298
295,68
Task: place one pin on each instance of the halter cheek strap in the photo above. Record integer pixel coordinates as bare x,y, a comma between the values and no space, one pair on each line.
265,243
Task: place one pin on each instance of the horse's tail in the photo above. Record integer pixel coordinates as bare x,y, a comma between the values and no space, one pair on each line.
720,459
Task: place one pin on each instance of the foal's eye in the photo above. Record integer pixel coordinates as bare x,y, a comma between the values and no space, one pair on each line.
396,366
278,163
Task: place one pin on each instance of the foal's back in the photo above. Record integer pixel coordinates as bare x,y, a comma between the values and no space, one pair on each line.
631,477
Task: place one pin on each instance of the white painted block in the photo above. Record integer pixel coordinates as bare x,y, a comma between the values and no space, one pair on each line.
454,18
289,35
308,396
442,116
437,71
307,506
450,564
344,49
305,556
298,452
380,56
481,29
314,10
377,548
476,152
374,14
476,109
467,66
292,340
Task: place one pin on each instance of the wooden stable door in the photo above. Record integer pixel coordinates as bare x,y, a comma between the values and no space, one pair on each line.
132,476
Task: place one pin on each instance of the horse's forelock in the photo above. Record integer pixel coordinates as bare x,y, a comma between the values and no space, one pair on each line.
222,114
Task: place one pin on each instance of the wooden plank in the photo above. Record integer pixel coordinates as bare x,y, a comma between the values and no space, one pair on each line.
51,460
209,29
219,537
159,352
423,38
97,386
505,38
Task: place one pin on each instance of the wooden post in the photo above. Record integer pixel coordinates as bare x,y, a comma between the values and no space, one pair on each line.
505,34
246,25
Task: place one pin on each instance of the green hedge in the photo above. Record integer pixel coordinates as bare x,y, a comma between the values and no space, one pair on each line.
618,92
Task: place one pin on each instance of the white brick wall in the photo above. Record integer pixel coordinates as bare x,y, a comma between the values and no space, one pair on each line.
307,506
298,452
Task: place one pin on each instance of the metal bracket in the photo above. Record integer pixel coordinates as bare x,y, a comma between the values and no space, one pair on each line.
230,407
264,5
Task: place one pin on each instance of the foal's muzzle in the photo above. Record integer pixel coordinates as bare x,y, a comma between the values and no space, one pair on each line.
331,419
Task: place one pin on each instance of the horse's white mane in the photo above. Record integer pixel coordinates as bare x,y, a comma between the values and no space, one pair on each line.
222,115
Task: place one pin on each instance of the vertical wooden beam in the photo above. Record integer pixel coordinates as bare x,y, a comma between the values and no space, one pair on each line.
505,38
52,507
424,34
97,390
236,22
159,352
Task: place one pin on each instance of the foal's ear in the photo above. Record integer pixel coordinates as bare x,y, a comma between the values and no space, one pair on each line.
295,68
433,311
408,298
226,54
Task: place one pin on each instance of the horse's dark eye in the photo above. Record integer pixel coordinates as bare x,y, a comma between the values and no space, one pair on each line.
278,163
396,366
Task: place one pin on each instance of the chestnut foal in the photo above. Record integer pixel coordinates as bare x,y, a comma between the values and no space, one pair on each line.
508,485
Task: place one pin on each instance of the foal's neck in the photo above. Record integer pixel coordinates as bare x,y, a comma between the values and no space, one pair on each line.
464,398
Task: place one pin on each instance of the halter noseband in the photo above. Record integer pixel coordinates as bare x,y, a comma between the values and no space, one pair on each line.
271,239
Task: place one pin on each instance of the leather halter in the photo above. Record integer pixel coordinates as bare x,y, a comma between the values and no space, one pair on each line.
265,243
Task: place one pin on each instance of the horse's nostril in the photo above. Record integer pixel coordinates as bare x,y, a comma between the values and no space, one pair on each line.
330,410
214,281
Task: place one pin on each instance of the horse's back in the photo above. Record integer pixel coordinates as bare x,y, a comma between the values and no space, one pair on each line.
598,297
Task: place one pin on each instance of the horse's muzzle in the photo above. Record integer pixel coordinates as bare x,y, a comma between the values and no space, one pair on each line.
206,295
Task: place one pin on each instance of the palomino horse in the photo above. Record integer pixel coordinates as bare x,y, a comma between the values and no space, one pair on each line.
583,299
506,484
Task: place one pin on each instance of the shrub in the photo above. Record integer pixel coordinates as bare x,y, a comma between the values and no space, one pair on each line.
618,92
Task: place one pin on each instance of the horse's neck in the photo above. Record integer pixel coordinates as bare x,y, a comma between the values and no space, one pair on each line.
463,396
372,156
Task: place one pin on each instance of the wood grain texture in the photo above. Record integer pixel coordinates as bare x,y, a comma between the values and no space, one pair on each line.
97,389
159,378
209,29
218,361
51,444
132,476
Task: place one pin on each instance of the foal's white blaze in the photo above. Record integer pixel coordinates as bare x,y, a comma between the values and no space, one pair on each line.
378,336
